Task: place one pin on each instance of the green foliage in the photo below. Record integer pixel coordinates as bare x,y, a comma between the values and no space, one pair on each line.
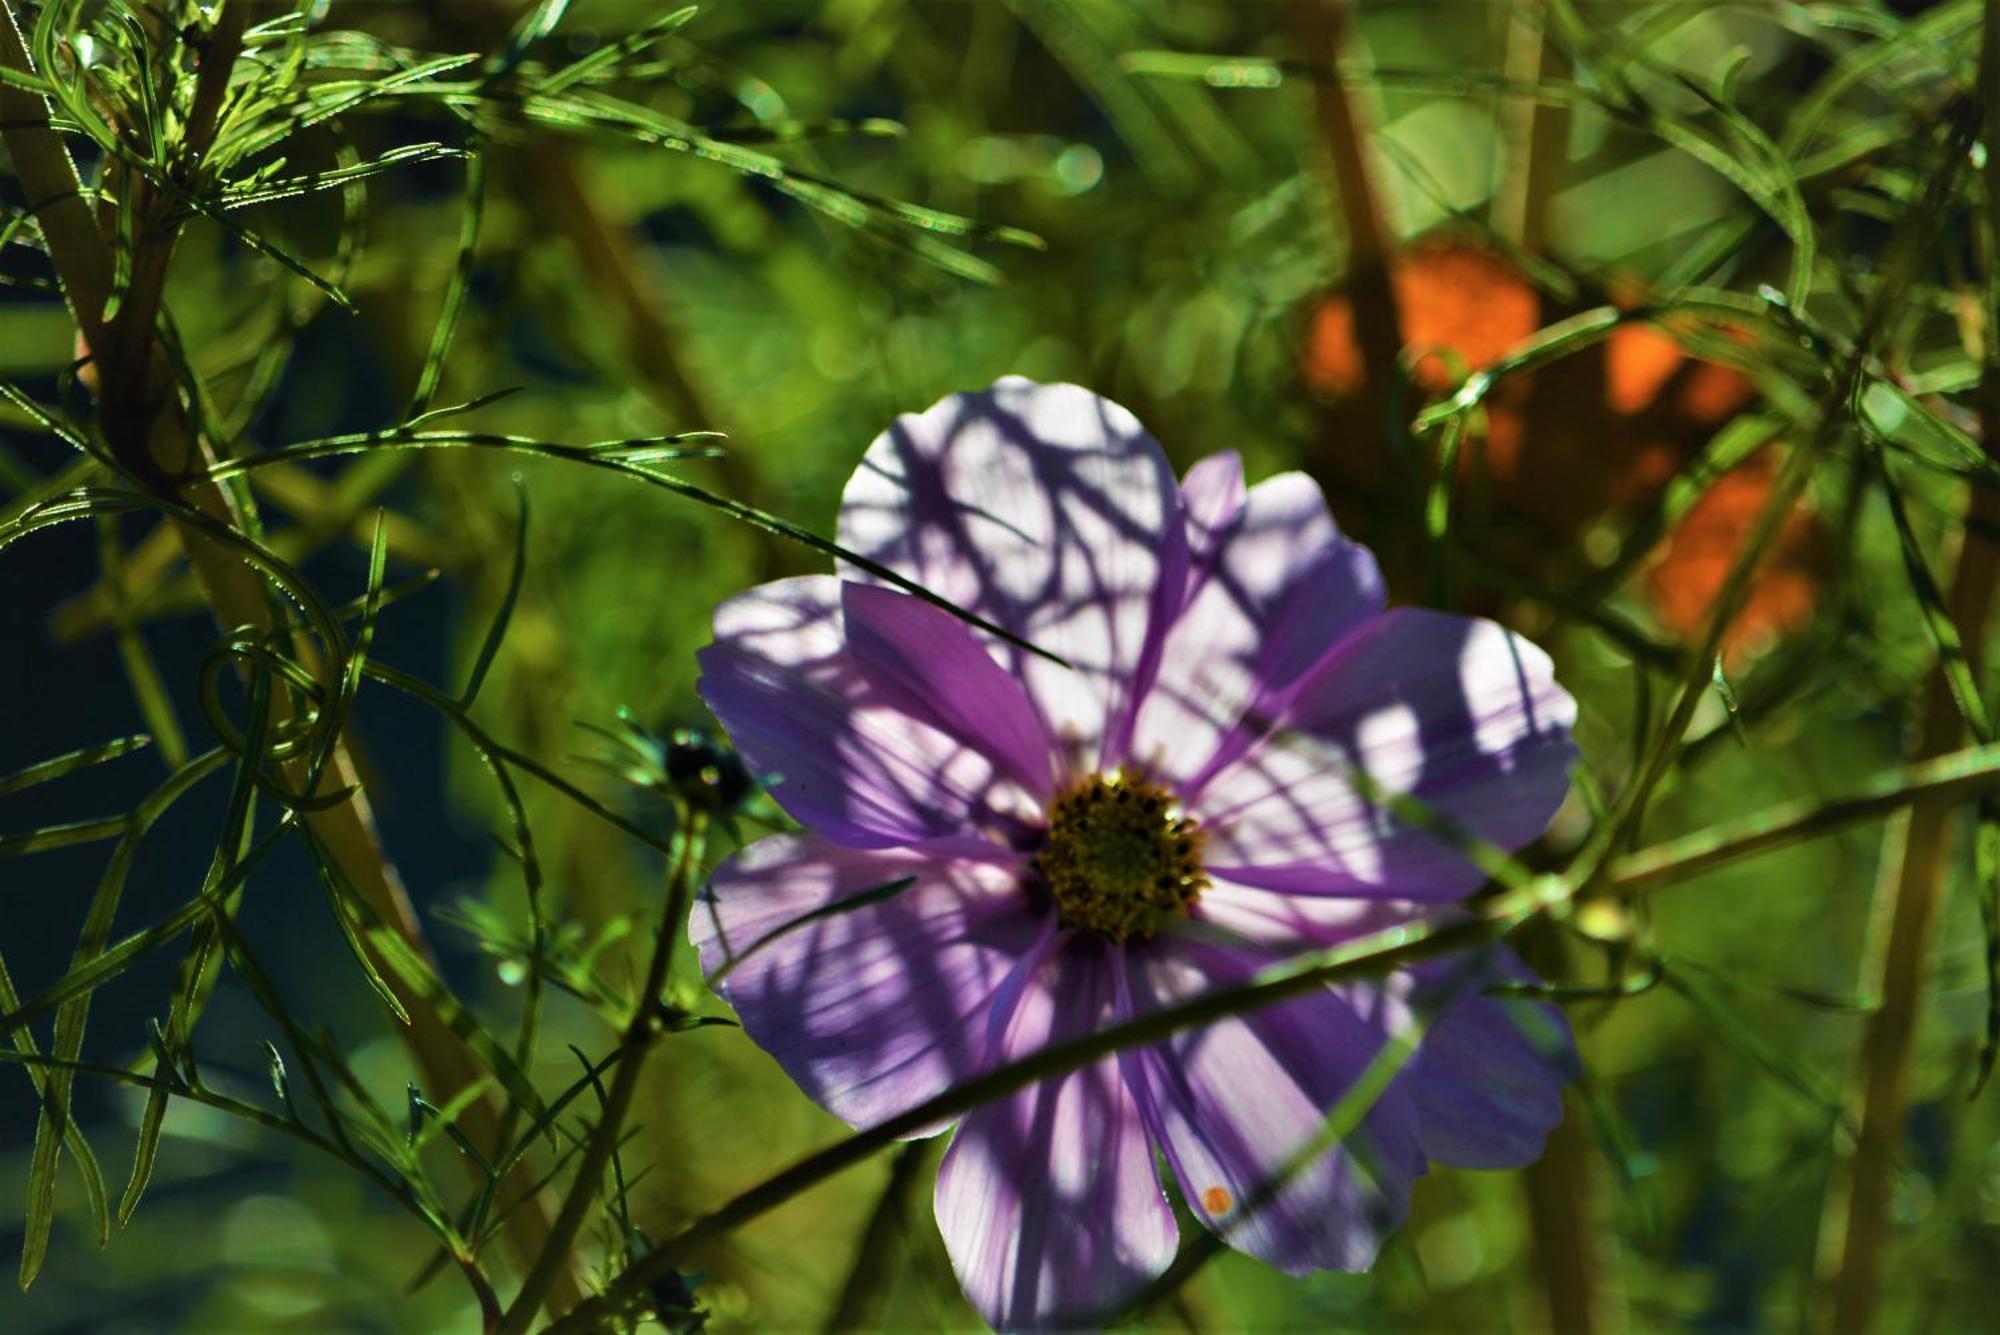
373,283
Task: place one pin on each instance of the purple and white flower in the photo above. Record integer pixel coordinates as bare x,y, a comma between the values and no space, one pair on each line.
1068,847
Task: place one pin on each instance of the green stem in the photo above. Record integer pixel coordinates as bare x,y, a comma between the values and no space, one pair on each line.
555,1259
1945,781
1567,1250
860,1296
1367,956
137,422
1889,1044
1898,271
1324,27
1538,139
1566,1245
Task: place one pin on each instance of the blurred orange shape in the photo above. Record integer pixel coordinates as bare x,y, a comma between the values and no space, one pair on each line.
1694,562
1595,433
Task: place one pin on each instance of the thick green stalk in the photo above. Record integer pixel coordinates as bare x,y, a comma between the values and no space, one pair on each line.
1567,1248
1559,1187
1889,1044
1537,131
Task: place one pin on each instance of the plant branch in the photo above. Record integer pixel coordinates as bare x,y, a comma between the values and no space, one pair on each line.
1945,781
1324,27
1889,1044
639,1035
137,424
1907,251
1367,956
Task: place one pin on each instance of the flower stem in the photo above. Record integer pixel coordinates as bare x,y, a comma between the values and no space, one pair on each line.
555,1259
150,436
1372,955
1889,1044
1567,1249
1558,1187
1945,781
860,1296
1567,1254
1890,1041
1537,131
1323,27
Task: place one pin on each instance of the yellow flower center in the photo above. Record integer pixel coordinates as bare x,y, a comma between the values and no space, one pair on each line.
1120,859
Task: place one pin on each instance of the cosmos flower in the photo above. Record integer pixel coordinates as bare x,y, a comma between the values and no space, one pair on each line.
1001,852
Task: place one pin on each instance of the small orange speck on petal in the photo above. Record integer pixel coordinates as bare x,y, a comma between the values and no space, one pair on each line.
1215,1200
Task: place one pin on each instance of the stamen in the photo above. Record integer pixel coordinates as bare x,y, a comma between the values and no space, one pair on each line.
1120,858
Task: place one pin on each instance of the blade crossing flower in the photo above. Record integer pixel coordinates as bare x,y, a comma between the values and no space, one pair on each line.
1001,852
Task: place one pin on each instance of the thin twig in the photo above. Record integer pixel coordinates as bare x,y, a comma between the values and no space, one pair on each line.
1889,1045
860,1296
1324,27
555,1259
1946,781
1373,955
1567,1249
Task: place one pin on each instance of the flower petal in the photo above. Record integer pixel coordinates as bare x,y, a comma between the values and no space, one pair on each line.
862,754
1487,1082
872,1002
1239,1104
1458,713
934,667
1050,512
1281,924
1212,498
1048,1201
1274,587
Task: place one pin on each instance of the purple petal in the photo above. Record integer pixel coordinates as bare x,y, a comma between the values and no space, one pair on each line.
1487,1083
1212,497
1237,1106
1458,713
862,754
1048,1201
1051,513
1279,924
878,1002
932,665
1275,588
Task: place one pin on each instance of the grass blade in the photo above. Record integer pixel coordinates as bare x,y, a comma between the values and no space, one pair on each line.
496,632
70,761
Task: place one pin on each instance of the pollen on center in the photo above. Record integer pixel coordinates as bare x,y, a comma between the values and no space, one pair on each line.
1216,1200
1121,858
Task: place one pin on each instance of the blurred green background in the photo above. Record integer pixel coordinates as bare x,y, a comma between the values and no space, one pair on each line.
1195,258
